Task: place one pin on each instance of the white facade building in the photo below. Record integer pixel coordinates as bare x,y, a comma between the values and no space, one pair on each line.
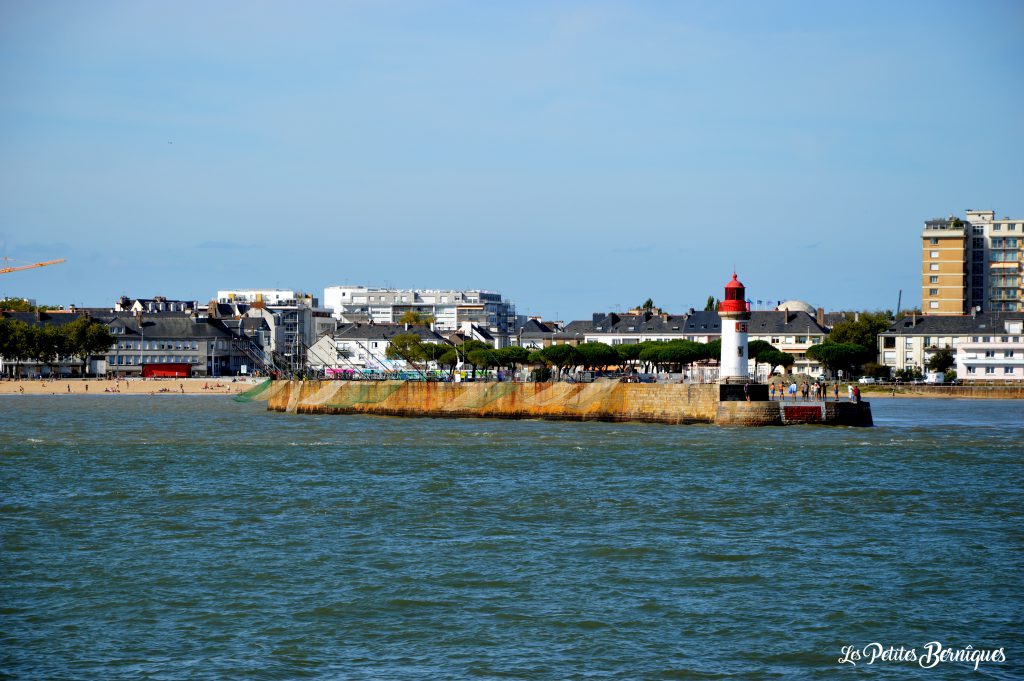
267,296
987,347
450,309
363,347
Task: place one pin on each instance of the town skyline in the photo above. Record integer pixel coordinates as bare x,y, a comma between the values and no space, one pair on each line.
588,155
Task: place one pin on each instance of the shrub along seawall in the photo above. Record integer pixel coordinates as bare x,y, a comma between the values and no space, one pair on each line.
598,401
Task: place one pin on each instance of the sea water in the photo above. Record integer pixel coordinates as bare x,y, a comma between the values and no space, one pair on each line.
195,537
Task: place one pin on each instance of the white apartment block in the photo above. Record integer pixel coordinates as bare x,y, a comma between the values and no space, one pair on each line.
450,309
996,357
267,296
293,317
987,347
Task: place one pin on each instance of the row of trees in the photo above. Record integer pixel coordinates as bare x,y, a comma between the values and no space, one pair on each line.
82,338
672,355
852,343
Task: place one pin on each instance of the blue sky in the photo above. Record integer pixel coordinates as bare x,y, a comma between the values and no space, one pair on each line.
574,156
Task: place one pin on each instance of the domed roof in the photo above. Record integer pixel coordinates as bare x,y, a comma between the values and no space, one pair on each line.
797,306
734,283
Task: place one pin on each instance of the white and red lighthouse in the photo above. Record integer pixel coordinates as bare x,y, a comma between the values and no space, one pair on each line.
735,314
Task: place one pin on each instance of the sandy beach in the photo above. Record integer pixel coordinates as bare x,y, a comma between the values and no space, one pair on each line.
135,386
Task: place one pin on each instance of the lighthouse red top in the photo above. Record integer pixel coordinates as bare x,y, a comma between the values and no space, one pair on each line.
735,297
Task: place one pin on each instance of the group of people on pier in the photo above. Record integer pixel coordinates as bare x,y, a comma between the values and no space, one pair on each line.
807,391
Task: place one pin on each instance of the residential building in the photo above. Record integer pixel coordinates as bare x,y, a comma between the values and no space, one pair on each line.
535,334
987,346
972,264
294,318
363,347
154,305
267,296
202,343
792,332
449,309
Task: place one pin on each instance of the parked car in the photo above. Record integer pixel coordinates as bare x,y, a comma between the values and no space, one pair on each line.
867,380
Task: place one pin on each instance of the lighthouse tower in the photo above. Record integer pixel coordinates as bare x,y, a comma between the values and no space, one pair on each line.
735,314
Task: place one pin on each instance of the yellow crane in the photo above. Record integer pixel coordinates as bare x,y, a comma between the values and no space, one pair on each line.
5,270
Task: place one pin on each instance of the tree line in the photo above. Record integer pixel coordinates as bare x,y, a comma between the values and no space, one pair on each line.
674,355
82,338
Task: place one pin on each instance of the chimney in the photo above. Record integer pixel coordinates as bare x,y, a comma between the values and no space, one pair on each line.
821,317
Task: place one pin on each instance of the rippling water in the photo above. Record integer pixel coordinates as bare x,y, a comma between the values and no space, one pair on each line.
196,537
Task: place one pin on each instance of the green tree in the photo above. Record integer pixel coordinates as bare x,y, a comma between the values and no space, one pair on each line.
538,357
15,342
863,332
711,305
414,317
511,356
483,358
435,352
406,346
597,355
876,370
835,356
943,360
648,305
86,338
628,353
561,356
22,305
49,345
776,358
448,359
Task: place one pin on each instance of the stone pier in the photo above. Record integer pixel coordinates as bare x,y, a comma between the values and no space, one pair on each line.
602,400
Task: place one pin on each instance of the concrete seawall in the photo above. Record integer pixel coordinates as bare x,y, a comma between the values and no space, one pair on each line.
598,401
606,400
977,392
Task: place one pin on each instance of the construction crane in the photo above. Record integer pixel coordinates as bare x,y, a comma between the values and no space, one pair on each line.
5,270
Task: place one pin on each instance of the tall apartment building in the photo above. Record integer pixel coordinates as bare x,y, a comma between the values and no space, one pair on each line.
294,318
450,309
972,264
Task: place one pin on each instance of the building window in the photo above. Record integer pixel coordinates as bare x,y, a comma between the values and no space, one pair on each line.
990,370
1008,353
971,370
933,291
934,254
934,267
933,305
934,241
1007,370
933,279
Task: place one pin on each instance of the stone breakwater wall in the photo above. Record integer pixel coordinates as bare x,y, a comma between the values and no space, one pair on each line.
981,392
598,401
789,414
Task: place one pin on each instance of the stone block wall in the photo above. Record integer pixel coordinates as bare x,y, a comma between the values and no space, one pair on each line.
600,401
